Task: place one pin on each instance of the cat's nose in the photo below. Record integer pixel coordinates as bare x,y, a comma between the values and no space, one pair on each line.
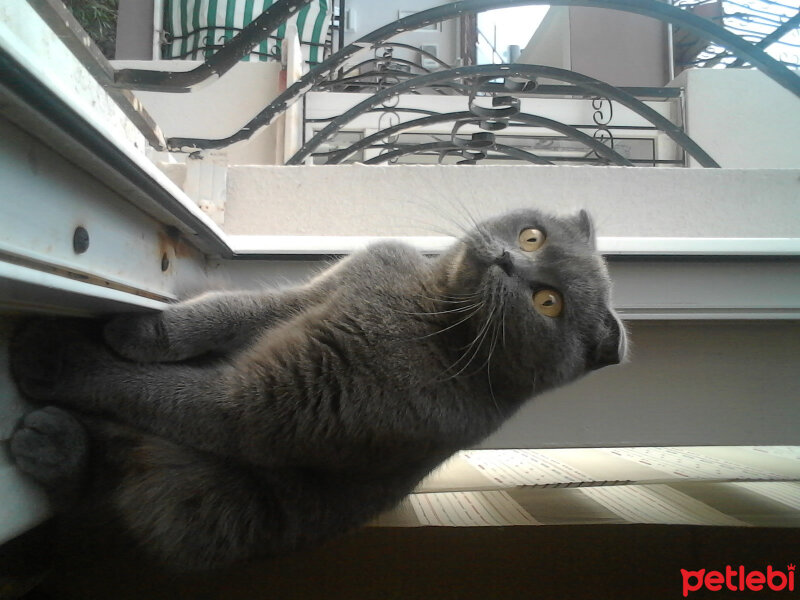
505,262
612,347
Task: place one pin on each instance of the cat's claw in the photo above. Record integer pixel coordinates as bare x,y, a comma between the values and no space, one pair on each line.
52,447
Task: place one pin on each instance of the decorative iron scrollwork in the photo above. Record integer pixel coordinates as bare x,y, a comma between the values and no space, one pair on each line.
603,113
503,107
258,30
581,84
495,118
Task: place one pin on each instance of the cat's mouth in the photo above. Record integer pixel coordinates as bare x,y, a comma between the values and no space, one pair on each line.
612,349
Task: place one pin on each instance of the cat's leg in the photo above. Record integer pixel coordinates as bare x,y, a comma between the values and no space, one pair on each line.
52,447
193,510
214,322
250,408
269,406
225,321
188,509
64,362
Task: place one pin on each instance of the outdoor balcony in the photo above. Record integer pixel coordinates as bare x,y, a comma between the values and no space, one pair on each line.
692,179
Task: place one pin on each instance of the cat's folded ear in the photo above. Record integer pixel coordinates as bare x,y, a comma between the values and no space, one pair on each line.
586,227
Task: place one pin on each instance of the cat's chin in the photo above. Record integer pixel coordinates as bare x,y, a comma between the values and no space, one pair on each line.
497,273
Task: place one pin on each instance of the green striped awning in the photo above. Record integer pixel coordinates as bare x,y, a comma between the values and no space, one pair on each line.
195,29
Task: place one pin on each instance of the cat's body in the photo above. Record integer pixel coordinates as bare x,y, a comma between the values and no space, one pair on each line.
245,424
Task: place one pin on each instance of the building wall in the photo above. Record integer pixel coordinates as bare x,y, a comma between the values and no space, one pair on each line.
369,15
550,44
218,108
619,48
742,118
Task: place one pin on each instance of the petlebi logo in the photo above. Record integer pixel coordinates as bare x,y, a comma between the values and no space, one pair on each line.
738,580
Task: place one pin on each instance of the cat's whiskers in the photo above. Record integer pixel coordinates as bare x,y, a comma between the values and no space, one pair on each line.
454,295
473,221
498,330
489,366
432,227
452,299
500,296
439,331
495,324
440,312
473,348
445,216
504,322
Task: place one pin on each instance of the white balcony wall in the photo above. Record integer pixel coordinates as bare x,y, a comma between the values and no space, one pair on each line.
422,199
742,118
366,16
218,108
578,38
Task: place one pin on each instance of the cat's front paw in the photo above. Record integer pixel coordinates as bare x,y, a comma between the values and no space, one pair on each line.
141,338
52,447
48,357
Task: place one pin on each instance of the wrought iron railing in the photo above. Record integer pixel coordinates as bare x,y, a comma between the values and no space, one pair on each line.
220,62
387,75
377,69
501,86
324,74
468,136
766,24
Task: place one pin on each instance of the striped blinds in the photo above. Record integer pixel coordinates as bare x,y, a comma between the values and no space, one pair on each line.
195,29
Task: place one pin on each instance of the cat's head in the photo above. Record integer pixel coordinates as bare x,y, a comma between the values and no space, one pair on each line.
544,298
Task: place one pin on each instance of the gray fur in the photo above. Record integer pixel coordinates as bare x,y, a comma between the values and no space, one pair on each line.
252,423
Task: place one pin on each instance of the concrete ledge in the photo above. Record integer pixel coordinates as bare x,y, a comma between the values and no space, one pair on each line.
415,200
263,246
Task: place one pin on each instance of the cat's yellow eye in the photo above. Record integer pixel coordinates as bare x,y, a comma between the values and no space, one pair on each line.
548,303
531,239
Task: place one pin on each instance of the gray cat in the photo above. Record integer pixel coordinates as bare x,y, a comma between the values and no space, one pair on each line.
237,425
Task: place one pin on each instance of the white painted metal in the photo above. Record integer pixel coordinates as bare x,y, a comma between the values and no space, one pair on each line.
262,245
26,289
698,246
651,287
33,45
44,198
28,39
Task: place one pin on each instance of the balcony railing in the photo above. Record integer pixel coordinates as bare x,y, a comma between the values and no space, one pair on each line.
474,132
